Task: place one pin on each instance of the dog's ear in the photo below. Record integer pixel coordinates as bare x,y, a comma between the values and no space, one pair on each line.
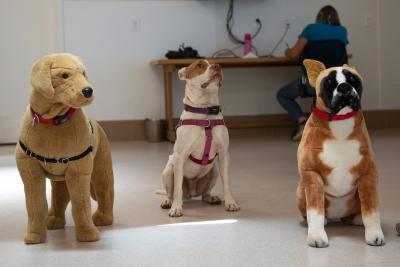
41,78
182,74
313,68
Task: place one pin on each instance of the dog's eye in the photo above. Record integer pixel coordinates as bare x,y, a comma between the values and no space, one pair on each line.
329,81
199,66
84,74
65,75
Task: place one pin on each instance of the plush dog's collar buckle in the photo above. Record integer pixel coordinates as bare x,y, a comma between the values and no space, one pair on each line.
63,160
332,117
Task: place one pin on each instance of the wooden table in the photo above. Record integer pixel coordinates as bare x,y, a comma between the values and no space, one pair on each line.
171,65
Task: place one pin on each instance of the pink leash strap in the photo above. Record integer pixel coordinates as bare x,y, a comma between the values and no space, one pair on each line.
208,125
207,146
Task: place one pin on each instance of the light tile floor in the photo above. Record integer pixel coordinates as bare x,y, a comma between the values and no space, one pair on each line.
266,232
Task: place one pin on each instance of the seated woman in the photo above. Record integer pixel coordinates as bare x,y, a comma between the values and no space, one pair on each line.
327,27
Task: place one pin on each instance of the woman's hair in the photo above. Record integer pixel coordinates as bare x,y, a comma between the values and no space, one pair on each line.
328,15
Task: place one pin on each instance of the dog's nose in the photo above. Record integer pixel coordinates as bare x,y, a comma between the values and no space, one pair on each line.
215,67
87,92
344,88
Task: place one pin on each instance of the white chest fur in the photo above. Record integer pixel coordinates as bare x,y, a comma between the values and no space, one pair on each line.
341,155
338,206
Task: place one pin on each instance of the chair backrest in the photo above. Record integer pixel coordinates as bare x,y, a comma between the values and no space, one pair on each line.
332,53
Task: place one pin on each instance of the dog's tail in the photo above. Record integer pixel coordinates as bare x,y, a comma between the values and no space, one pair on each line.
160,192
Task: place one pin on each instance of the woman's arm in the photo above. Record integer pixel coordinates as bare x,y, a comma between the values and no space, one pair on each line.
296,51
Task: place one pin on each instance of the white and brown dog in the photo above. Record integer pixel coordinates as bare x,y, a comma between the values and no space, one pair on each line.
202,137
338,175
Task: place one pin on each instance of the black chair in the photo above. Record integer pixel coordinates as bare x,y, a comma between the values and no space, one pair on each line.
332,53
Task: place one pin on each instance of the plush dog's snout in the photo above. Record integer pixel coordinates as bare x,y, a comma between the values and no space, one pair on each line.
87,92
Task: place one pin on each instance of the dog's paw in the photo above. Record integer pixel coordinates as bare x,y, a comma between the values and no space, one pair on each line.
213,200
317,239
175,211
54,222
166,204
374,236
90,235
34,238
231,206
102,219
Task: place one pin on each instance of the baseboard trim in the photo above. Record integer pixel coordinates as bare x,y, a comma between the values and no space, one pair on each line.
382,119
134,130
126,130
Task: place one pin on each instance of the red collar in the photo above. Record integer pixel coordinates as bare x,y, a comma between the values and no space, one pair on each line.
332,117
54,121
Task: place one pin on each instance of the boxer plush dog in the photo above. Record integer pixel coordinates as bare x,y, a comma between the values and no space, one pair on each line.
202,140
59,142
338,175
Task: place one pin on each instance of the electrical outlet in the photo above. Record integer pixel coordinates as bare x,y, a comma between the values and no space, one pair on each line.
136,25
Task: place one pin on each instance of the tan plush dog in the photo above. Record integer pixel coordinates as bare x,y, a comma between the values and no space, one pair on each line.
59,142
338,175
202,138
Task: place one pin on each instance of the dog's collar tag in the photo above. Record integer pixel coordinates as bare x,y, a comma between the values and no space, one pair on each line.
332,117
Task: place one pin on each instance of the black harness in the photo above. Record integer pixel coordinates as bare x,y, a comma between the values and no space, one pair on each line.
32,154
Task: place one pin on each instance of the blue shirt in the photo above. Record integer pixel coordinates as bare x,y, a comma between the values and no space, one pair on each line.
322,31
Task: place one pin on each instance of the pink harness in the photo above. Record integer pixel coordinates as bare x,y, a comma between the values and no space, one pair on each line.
208,125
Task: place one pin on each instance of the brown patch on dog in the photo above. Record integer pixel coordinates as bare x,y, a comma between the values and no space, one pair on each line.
315,133
301,199
367,188
365,173
361,135
313,187
354,205
311,168
195,69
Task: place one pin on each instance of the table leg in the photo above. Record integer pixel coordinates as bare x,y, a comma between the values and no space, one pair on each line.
168,70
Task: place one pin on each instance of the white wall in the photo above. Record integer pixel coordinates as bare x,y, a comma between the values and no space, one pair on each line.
118,57
29,29
389,31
